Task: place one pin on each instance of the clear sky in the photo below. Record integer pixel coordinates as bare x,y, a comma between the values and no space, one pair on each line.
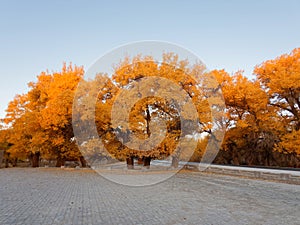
39,35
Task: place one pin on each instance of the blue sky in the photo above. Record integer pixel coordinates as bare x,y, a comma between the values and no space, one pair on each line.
234,35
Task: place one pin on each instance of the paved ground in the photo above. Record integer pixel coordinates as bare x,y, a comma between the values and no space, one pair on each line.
60,196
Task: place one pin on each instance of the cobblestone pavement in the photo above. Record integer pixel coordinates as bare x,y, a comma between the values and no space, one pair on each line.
64,196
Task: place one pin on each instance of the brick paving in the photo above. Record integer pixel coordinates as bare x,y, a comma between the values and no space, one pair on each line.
79,196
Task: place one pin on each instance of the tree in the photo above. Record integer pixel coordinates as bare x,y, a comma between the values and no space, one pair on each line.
4,145
280,78
263,114
41,120
252,126
147,107
23,124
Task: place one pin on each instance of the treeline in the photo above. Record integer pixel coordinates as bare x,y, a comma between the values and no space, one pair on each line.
262,122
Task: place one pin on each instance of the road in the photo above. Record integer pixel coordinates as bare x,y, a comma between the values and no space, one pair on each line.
81,196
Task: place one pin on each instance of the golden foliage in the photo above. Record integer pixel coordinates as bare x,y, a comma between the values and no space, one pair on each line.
263,114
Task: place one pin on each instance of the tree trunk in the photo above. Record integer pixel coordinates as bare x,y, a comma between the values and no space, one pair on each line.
6,163
130,162
83,162
14,162
60,161
175,162
1,157
140,161
6,157
267,158
35,159
148,118
147,161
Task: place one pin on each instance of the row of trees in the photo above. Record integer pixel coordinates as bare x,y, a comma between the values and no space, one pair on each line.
262,123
